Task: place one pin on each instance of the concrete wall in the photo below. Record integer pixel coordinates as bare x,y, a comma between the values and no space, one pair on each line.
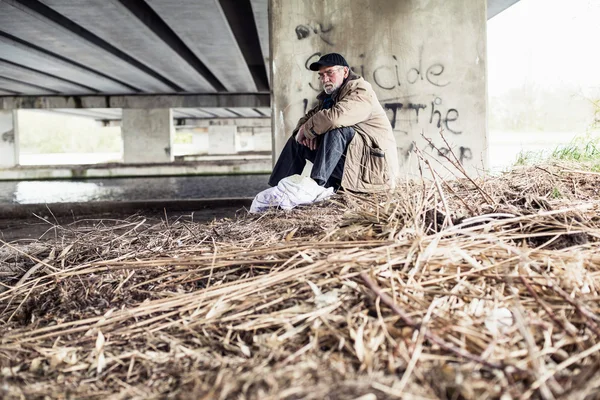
253,134
222,139
426,60
147,135
9,143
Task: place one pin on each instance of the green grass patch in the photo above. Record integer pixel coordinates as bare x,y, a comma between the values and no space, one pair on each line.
577,152
583,149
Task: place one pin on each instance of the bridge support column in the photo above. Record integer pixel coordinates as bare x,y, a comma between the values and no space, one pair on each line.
426,61
9,138
147,135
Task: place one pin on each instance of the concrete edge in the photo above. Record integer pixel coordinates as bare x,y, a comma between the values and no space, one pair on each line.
21,211
140,100
101,171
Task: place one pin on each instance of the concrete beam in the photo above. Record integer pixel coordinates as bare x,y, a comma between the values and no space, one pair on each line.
114,114
260,9
40,79
190,113
248,112
139,101
23,87
58,35
35,58
209,37
117,25
220,112
102,114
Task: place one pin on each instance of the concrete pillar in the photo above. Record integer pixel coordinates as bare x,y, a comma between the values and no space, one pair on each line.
426,60
147,135
9,139
222,139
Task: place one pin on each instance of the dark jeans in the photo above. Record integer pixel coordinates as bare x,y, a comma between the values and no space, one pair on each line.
328,159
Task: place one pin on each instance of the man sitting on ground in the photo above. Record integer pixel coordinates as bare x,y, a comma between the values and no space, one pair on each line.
347,136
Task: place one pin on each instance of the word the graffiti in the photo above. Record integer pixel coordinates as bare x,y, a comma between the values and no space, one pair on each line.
435,115
304,31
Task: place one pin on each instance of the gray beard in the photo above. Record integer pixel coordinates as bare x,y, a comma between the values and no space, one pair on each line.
334,91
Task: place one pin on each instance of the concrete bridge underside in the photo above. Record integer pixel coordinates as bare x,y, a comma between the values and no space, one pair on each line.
164,48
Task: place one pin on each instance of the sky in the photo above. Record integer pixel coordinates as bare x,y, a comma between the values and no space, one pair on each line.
550,43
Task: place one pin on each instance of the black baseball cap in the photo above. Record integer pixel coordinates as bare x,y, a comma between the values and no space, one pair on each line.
329,60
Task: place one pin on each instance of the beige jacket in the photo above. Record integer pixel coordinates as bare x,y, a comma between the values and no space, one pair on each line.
372,159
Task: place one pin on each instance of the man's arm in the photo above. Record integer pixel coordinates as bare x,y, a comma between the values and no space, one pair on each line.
355,107
305,118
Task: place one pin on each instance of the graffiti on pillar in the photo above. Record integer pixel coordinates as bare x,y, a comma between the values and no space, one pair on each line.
464,153
412,113
426,112
431,115
387,76
302,31
432,74
312,58
439,117
305,30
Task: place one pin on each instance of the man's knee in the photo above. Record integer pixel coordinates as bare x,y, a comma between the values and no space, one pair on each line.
343,134
343,129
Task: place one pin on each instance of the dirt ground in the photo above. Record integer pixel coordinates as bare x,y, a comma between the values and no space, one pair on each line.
463,289
44,227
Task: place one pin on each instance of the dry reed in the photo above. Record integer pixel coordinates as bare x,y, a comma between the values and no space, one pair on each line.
467,288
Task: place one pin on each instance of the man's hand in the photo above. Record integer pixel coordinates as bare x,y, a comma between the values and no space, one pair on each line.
303,140
300,138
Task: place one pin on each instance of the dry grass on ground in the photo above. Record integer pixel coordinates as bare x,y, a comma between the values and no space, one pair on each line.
454,289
